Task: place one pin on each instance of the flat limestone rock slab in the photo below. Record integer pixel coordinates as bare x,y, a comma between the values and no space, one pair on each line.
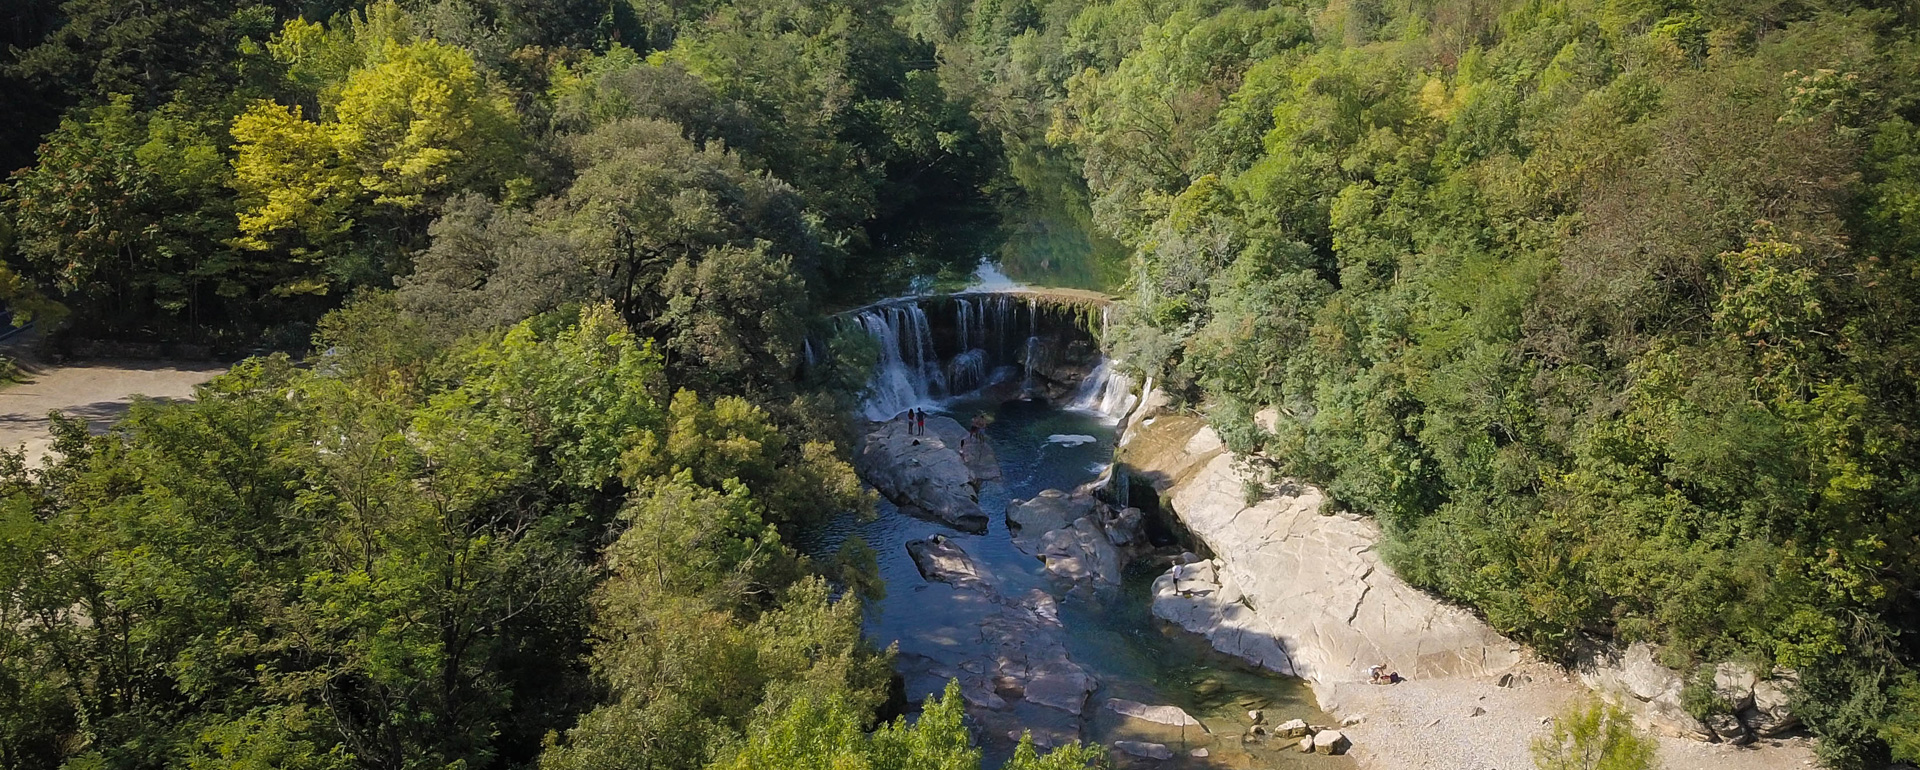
925,475
1166,715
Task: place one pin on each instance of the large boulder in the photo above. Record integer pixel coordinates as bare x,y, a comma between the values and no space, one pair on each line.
942,560
1198,597
1028,520
925,475
1769,715
1634,679
1076,535
1081,552
1126,527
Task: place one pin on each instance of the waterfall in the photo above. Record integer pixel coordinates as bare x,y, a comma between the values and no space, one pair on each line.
894,389
1106,391
967,372
975,345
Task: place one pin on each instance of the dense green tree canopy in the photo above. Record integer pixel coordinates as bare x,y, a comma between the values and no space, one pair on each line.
1592,303
1603,308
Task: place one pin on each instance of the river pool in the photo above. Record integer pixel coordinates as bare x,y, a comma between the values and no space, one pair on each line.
1110,632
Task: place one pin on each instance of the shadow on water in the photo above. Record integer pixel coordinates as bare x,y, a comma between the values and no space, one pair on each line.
1111,631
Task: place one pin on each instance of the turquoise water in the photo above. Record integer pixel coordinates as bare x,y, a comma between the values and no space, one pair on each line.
1110,632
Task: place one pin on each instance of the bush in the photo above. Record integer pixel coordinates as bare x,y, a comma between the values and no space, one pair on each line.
1594,736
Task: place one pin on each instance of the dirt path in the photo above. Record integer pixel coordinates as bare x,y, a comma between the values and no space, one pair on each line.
1465,723
98,391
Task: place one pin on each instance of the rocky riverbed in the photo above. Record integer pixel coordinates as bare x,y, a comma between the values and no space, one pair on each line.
1042,614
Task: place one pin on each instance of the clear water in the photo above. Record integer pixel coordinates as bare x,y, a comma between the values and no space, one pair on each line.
1110,632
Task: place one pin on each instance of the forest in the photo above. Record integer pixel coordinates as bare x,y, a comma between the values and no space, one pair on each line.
1602,308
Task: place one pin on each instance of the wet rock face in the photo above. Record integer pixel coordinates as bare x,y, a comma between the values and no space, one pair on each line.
1145,750
927,475
1173,716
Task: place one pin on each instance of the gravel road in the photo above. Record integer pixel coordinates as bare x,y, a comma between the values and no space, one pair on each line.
99,391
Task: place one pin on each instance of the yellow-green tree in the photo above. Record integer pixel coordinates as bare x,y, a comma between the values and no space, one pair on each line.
403,123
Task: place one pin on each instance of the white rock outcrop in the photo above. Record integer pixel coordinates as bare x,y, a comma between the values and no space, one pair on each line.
1295,591
1634,679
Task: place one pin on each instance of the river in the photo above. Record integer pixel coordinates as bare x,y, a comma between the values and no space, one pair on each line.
1109,632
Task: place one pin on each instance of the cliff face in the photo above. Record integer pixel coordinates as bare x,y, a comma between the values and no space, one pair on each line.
1290,589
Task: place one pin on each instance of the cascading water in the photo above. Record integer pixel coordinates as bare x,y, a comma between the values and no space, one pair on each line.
1106,390
922,363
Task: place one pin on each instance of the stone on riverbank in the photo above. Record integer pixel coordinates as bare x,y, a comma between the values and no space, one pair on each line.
1330,742
1292,728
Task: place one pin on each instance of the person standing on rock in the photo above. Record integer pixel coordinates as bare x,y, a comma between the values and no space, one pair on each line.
920,423
910,413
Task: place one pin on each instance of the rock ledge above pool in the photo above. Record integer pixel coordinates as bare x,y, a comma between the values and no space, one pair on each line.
929,475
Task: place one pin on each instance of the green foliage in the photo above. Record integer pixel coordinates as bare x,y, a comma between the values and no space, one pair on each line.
1593,737
1578,300
826,735
387,559
402,124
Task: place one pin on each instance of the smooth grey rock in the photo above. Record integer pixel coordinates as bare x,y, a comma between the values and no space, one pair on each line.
1081,552
940,559
1019,651
1770,715
1144,749
1256,717
1030,519
1305,745
1198,753
1292,728
924,475
1166,715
